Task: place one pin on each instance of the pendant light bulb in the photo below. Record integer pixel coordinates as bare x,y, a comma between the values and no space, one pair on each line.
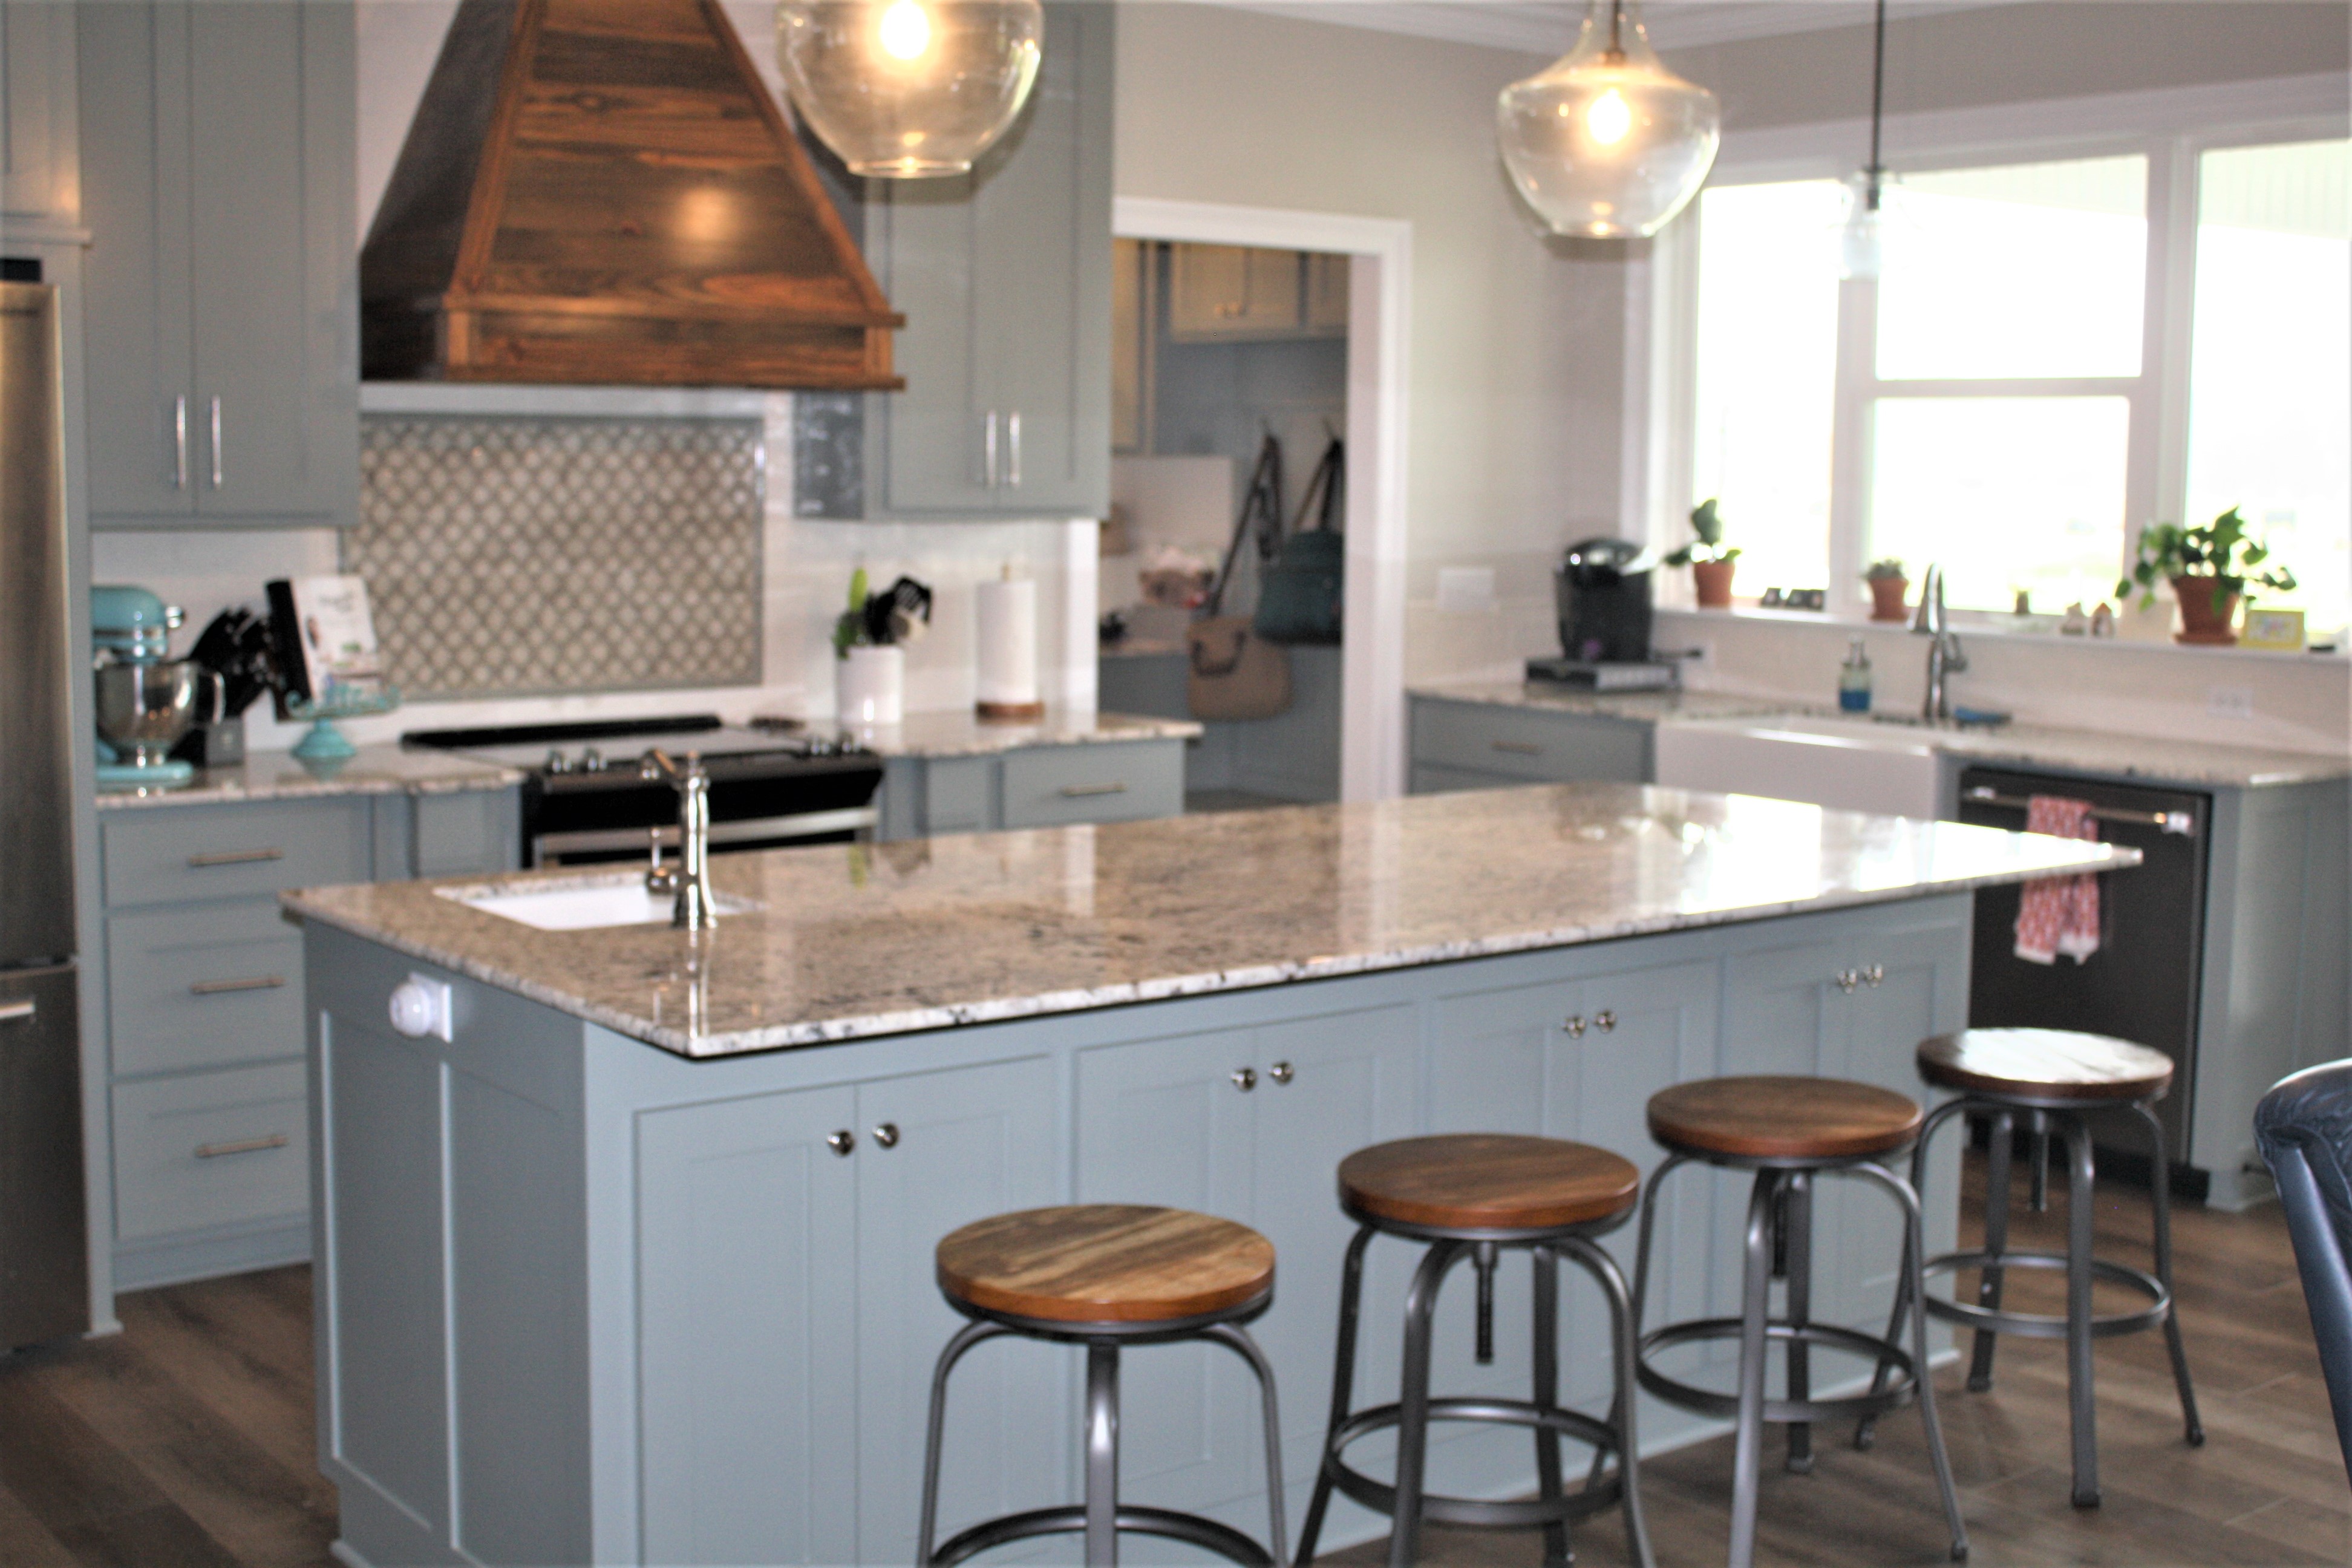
1862,240
1606,141
909,90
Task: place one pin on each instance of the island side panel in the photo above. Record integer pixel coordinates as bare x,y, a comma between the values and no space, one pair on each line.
1136,1103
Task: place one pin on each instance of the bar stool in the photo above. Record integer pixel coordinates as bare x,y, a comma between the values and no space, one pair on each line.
2052,1078
1470,1196
1104,1275
1789,1130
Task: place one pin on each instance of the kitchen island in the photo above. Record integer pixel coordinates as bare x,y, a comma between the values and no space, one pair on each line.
626,1255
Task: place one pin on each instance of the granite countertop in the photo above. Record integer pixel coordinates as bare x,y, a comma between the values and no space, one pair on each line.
854,941
2088,751
280,775
962,734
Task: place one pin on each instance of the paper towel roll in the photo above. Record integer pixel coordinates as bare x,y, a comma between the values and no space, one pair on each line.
1005,615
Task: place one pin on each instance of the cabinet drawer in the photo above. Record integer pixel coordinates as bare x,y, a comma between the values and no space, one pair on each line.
202,986
1047,787
212,1149
166,853
1524,744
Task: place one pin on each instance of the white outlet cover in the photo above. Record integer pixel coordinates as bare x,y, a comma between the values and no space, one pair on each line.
2230,701
1466,590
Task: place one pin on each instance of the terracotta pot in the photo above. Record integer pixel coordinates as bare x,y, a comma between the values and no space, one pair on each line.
2200,621
1714,581
1886,597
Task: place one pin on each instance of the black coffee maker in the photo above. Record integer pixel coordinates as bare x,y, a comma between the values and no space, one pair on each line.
1602,592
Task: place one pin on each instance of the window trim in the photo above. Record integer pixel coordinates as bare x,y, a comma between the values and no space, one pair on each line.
2172,128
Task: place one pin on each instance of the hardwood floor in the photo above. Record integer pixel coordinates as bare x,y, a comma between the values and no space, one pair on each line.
187,1440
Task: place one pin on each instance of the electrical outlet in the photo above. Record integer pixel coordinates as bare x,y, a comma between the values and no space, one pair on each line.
2230,701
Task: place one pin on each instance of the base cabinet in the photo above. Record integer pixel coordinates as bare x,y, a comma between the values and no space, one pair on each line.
585,1300
1034,786
1481,745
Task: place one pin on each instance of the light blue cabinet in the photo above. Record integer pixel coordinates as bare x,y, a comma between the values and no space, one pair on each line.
40,185
1459,744
1033,786
221,311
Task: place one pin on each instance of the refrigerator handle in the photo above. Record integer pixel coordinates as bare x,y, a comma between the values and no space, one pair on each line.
16,1011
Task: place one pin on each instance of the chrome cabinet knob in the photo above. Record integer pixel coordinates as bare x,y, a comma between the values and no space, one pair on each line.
1874,974
1574,1024
886,1135
1281,1072
842,1143
1604,1020
1847,979
1245,1078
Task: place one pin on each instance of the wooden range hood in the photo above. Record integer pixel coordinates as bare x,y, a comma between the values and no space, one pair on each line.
604,191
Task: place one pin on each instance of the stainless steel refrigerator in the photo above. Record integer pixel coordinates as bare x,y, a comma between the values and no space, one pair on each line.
44,1261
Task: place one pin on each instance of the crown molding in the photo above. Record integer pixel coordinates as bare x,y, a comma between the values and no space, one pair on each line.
1548,26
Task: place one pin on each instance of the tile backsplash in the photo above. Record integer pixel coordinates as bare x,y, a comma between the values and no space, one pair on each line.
507,555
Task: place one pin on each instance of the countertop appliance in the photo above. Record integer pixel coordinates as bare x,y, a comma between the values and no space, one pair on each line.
44,1235
2142,984
585,800
1601,590
147,700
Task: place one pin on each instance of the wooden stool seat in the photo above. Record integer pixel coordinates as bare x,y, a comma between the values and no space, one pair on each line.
1770,1117
1487,1182
2059,1065
1105,1263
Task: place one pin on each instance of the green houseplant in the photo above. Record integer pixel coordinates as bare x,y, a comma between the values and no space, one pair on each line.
1710,563
2210,565
1888,583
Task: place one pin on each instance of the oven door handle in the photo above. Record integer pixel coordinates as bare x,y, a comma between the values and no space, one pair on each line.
549,849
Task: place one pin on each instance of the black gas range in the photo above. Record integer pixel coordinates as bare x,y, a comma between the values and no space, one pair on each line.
585,800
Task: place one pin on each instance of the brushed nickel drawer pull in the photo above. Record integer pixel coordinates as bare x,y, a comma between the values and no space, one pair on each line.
241,1146
18,1011
243,983
216,443
1519,747
235,856
180,442
1073,791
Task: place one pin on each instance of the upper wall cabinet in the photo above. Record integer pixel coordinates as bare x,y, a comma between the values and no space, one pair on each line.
39,185
1233,293
1004,278
222,315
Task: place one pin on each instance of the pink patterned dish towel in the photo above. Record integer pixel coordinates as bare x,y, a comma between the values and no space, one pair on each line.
2059,914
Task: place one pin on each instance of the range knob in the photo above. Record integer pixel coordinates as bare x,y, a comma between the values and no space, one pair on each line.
592,761
557,763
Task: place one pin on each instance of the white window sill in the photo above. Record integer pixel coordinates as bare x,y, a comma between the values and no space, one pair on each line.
1979,624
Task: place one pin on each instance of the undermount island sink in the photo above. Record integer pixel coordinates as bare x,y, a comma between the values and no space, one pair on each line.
1849,764
587,904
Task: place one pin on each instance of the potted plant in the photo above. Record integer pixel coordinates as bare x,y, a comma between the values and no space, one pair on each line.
1710,563
1887,586
869,672
2208,565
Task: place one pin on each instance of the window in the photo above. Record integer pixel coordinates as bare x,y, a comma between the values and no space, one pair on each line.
1993,400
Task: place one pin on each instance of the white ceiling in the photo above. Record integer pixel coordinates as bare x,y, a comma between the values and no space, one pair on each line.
1548,26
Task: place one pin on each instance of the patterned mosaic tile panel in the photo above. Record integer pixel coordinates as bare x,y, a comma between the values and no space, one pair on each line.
506,556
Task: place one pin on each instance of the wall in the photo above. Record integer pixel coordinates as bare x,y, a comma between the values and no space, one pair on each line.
1514,385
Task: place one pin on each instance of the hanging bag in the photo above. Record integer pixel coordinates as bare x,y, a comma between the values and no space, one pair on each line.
1304,589
1232,672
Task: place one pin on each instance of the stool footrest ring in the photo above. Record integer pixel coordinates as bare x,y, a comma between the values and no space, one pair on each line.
2046,1325
1901,1390
1476,1512
1071,1519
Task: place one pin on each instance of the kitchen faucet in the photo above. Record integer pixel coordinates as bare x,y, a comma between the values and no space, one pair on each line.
694,910
1945,658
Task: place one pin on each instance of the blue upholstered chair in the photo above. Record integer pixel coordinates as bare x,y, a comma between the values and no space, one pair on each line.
2304,1127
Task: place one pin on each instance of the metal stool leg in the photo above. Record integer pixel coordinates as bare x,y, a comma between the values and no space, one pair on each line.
2161,1192
1914,1252
1796,1232
1989,1281
1238,1340
1413,1400
1624,1337
1866,1429
1756,1294
1343,1388
2081,1217
1102,1456
1547,1398
968,1336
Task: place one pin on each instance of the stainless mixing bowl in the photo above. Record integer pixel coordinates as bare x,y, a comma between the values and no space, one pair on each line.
144,708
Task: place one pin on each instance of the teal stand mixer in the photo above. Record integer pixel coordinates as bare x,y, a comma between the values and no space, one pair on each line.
146,699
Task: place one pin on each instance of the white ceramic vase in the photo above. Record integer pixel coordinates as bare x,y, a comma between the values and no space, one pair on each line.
869,687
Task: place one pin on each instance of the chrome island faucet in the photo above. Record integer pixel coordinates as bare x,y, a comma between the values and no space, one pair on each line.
694,910
1945,657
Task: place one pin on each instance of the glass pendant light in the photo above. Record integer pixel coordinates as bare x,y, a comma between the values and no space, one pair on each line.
909,90
1606,141
1862,244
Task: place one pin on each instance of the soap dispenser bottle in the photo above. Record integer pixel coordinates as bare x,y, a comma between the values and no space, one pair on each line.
1853,680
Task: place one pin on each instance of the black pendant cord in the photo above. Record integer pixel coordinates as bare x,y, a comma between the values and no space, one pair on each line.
1876,171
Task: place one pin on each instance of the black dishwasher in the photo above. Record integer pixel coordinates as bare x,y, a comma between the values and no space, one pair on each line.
2142,985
